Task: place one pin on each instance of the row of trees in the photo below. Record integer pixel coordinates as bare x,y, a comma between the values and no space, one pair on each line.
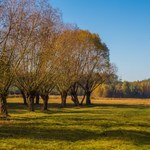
137,89
38,53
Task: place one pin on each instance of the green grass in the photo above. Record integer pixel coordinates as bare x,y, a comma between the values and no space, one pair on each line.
101,127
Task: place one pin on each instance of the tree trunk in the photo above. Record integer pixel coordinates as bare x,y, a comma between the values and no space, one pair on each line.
31,102
37,98
3,105
74,95
45,102
63,98
88,98
83,99
24,97
75,99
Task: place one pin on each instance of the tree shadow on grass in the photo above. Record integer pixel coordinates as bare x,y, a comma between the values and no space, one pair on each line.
73,135
52,108
20,106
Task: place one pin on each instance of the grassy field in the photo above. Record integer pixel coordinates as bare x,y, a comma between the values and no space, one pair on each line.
119,124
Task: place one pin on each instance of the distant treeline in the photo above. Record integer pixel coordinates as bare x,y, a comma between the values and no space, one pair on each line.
137,89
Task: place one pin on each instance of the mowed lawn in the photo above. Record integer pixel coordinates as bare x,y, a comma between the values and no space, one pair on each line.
119,124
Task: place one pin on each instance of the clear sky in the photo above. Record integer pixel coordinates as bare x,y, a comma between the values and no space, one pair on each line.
124,25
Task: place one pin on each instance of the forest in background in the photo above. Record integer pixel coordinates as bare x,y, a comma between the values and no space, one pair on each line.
124,89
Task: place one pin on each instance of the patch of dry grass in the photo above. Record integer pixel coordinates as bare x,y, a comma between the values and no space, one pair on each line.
119,101
122,101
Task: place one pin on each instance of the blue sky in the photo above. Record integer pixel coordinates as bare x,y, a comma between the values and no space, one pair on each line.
124,25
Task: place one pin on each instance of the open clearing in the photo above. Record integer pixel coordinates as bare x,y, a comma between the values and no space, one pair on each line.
119,124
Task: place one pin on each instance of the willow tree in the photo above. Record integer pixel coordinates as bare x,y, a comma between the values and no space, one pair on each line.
48,82
10,54
40,23
66,76
87,62
95,64
82,59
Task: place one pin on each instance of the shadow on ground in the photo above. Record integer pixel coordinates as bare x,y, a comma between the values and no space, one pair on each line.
38,128
73,135
57,105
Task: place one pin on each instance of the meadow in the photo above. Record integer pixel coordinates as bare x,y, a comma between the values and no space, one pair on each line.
119,124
